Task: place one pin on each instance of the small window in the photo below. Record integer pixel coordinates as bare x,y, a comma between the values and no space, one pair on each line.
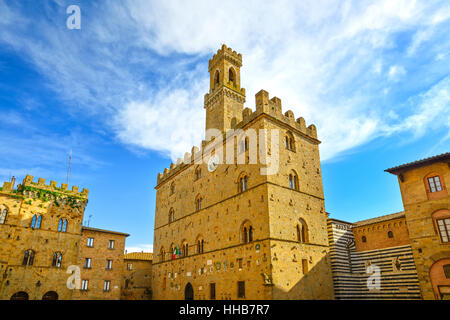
447,271
198,203
240,263
241,289
3,214
62,225
435,184
84,285
200,245
109,264
390,234
36,222
198,173
90,242
364,239
129,266
231,75
87,263
243,184
212,291
171,215
111,244
444,229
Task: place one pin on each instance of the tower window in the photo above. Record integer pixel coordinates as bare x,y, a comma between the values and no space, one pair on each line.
62,225
435,184
171,215
390,234
364,239
3,214
293,181
217,78
198,203
290,142
302,232
231,77
246,232
36,222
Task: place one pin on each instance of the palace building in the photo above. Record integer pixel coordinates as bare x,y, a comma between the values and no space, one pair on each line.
234,230
42,235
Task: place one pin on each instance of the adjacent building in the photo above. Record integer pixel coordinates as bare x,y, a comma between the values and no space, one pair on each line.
137,276
409,251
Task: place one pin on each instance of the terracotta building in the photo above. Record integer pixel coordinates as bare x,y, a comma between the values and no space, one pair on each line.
424,189
410,248
101,258
137,276
232,220
42,236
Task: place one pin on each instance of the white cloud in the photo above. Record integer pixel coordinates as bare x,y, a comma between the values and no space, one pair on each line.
141,66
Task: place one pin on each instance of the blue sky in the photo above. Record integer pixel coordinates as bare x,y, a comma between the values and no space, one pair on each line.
125,92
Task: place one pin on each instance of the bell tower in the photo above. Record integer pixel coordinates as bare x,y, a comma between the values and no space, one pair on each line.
225,101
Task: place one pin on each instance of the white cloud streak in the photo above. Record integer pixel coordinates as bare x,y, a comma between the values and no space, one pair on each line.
141,65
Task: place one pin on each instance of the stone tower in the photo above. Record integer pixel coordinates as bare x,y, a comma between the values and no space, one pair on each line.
230,231
226,98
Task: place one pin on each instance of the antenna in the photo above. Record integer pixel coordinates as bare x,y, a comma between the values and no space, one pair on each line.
89,220
68,168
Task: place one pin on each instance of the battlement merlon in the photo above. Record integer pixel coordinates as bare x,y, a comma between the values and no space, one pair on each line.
227,54
28,182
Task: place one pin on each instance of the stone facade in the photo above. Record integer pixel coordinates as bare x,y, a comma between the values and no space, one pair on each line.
211,213
105,249
42,235
137,276
411,248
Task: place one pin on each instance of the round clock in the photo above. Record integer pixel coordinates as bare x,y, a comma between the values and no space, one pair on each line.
213,163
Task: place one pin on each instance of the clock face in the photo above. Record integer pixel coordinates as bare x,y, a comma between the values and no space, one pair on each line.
213,163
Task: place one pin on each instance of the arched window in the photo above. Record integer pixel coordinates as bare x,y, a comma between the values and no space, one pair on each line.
163,254
38,223
246,232
200,244
198,173
57,259
302,231
364,239
62,225
33,221
20,296
243,183
217,78
231,77
3,214
185,249
293,180
390,234
171,215
434,183
198,203
28,258
447,270
172,188
289,141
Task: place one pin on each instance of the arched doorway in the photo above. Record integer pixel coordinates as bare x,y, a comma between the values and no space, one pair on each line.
21,295
51,295
189,292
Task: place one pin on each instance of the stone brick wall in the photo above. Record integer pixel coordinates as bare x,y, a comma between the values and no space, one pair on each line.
137,279
97,274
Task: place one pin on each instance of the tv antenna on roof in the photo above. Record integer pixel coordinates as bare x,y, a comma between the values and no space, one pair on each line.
68,168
